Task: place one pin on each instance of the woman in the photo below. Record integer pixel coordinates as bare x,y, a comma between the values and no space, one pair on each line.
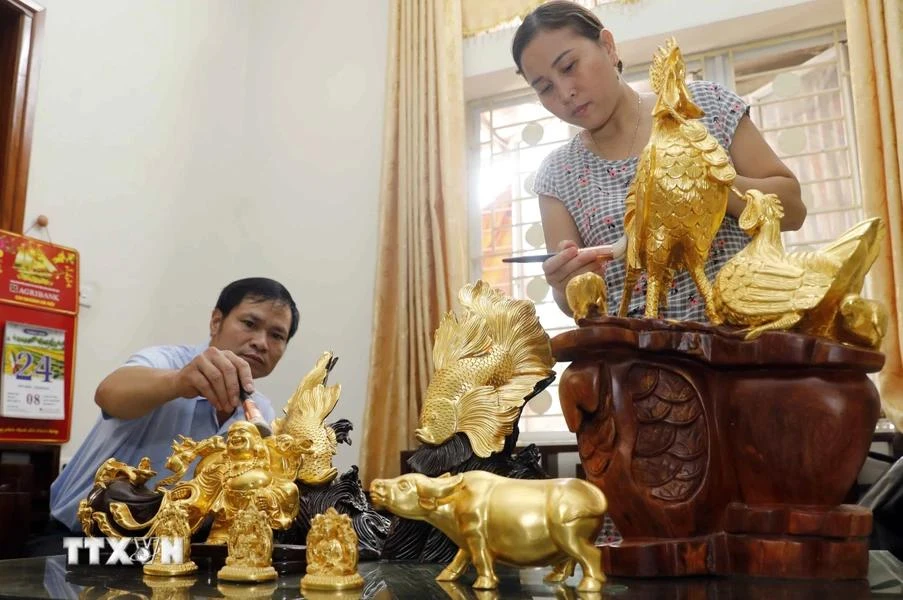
572,63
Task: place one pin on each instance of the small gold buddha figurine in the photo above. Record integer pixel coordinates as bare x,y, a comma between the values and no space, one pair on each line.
331,554
250,548
172,535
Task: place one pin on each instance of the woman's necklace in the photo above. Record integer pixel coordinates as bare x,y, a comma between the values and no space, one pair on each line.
589,136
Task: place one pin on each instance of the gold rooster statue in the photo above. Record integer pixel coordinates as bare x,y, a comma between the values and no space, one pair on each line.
766,288
677,200
486,363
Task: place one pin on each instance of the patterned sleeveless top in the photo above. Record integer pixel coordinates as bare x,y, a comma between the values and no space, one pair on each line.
593,191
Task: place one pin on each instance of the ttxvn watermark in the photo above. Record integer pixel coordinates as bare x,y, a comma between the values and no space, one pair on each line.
124,551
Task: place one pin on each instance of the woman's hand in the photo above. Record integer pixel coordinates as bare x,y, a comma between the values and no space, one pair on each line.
571,261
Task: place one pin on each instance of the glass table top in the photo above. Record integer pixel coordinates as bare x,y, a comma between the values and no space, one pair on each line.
50,577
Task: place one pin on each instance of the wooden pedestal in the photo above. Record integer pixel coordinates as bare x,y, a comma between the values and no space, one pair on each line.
718,455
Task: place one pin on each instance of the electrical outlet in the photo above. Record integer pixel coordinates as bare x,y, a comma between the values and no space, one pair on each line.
86,295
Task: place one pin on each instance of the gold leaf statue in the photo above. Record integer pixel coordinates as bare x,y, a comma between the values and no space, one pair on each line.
676,202
171,524
766,288
587,293
526,523
485,363
234,469
250,548
305,419
331,553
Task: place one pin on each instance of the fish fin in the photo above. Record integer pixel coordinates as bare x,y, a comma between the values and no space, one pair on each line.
485,420
456,340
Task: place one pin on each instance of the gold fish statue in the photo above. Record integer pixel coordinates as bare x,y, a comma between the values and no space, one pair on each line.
331,553
678,199
305,419
521,522
766,288
485,363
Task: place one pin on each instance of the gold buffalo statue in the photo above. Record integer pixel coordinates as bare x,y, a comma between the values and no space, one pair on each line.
525,523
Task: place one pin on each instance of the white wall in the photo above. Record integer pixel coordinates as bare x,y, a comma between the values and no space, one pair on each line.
315,122
180,145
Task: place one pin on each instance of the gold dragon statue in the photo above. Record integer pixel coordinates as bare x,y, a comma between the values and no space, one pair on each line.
766,288
677,200
486,362
238,472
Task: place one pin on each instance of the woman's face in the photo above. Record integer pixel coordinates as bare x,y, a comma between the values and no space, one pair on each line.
575,77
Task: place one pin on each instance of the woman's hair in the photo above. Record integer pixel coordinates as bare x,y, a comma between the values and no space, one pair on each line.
553,15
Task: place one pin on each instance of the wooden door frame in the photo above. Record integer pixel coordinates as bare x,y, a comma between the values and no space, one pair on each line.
14,183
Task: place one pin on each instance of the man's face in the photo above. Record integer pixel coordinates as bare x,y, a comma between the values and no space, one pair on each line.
256,330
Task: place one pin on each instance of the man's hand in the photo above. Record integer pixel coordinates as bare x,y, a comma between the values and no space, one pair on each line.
216,375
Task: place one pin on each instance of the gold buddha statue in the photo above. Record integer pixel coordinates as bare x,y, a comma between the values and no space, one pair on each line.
245,478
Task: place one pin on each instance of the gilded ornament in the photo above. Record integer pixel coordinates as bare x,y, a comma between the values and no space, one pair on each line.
332,553
486,362
235,471
525,523
305,419
171,523
250,547
587,294
766,288
678,198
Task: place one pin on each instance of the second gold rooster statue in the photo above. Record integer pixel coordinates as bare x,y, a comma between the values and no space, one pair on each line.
766,288
678,198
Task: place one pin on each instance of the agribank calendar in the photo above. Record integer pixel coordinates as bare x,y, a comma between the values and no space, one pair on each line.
32,386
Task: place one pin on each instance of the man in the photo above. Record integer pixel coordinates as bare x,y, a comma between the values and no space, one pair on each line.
165,391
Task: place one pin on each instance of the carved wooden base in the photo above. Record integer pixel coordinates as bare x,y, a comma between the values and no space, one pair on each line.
720,455
788,542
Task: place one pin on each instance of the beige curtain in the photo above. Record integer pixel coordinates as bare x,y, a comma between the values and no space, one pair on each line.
876,67
422,256
484,15
480,16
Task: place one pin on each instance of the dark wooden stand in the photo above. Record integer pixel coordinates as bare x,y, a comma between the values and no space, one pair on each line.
718,455
26,472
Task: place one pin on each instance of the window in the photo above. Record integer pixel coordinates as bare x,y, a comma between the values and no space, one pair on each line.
799,94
